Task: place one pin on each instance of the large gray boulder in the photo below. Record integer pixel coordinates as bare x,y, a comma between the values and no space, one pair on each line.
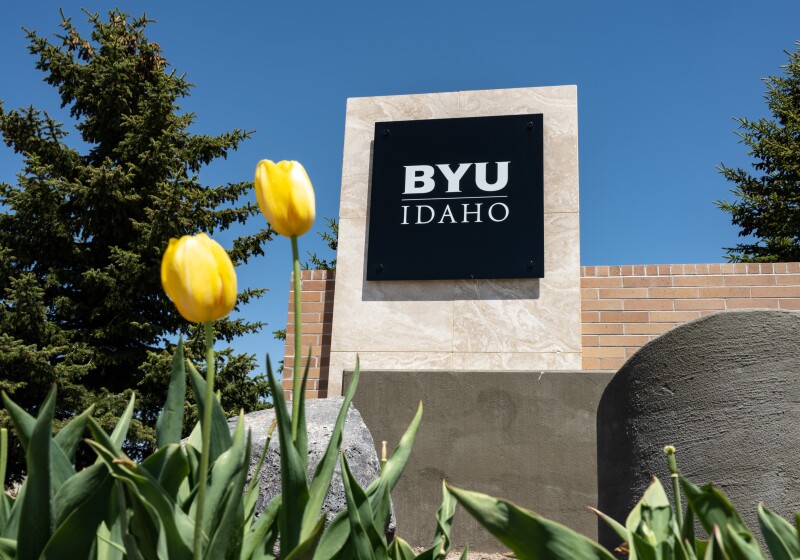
357,446
725,391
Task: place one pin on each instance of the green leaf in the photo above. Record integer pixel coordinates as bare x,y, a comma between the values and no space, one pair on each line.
260,539
300,440
305,550
618,527
400,550
226,515
37,504
444,523
293,475
71,433
780,536
327,464
335,538
528,535
169,425
81,507
170,465
220,432
8,548
357,504
121,429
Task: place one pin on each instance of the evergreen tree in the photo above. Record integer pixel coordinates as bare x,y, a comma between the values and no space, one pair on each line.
768,205
83,231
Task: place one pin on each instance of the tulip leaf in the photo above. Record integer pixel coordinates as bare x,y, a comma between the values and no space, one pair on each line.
617,527
8,548
444,524
335,538
260,539
293,475
327,464
780,536
37,504
300,437
224,495
169,425
528,535
360,515
305,550
170,466
71,433
121,429
220,433
401,550
80,508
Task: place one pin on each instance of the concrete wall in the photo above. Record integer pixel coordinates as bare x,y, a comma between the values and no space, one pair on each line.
525,436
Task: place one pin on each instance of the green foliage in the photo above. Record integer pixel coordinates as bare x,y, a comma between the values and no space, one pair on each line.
652,530
331,239
83,229
768,198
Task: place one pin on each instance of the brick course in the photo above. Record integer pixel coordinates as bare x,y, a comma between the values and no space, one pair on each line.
623,307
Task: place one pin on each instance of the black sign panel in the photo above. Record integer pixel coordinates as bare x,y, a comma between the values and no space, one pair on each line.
457,198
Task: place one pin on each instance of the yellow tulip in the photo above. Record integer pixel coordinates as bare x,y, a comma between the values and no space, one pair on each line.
198,276
285,196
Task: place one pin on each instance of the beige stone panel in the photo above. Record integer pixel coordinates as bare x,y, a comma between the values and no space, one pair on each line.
386,316
354,198
399,361
562,258
559,106
535,362
364,112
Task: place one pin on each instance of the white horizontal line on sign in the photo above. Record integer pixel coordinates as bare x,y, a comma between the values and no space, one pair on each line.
450,198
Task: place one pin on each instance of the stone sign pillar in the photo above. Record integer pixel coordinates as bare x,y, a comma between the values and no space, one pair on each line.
517,324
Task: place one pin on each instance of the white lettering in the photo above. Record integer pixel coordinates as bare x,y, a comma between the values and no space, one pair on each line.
453,177
480,177
491,214
419,174
405,216
476,212
447,214
419,214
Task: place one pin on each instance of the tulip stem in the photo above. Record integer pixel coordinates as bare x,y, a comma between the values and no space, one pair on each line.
297,379
205,428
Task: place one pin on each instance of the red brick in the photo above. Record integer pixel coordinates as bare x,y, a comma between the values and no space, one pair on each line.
626,270
752,303
623,317
673,316
601,305
698,280
651,270
310,296
590,340
587,271
726,268
613,271
604,352
793,268
602,363
646,281
788,279
715,269
766,268
606,282
626,293
589,293
673,293
590,317
648,305
725,292
750,280
601,271
775,292
699,304
602,328
623,340
647,328
793,304
639,270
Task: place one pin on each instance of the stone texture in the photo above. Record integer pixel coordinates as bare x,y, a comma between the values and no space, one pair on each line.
449,324
526,436
725,391
357,446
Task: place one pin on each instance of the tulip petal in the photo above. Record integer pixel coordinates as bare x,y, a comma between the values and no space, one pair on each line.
285,196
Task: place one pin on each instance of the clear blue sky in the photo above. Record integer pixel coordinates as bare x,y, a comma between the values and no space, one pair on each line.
658,85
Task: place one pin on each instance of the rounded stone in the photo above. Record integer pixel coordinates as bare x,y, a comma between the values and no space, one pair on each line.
725,391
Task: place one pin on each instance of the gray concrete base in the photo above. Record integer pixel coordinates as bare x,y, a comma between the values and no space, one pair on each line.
528,437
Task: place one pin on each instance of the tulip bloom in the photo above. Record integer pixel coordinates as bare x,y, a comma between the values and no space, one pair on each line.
198,276
285,196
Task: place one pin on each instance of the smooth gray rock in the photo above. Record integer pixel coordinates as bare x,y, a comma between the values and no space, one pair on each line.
725,391
357,446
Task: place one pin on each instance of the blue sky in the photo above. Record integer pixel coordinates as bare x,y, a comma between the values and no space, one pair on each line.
658,85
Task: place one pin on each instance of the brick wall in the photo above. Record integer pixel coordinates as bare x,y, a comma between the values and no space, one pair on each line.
623,307
316,287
